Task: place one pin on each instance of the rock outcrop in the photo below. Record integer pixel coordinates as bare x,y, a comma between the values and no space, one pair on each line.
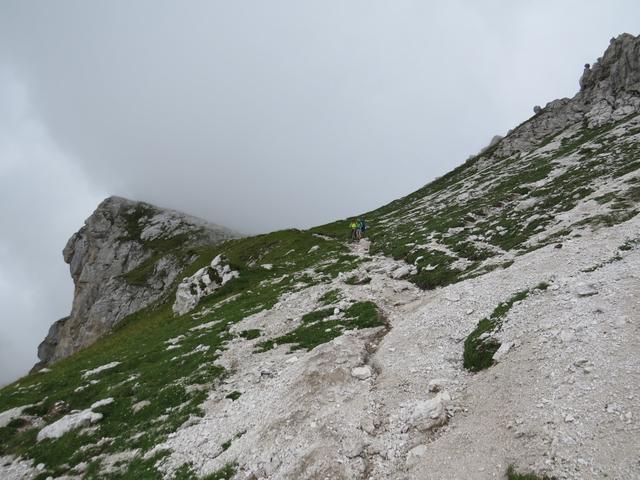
202,283
609,91
126,257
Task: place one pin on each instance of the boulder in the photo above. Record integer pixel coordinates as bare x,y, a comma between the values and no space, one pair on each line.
429,414
502,351
202,283
361,373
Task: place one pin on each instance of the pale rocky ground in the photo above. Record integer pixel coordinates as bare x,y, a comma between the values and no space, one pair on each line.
565,400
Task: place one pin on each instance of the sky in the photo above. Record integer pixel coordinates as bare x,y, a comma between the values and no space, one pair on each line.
255,115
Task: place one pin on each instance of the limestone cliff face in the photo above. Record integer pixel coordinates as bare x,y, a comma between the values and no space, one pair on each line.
609,91
123,259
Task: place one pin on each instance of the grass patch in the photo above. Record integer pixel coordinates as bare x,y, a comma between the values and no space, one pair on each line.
250,334
234,395
315,329
331,297
480,346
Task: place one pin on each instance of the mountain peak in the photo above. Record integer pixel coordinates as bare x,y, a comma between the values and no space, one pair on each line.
618,70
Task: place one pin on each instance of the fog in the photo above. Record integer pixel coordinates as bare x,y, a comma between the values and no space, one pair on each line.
254,115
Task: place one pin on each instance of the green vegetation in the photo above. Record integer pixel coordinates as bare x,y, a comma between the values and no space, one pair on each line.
225,473
250,334
234,395
316,329
331,297
480,346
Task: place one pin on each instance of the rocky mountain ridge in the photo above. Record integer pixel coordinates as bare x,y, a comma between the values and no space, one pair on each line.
125,257
486,328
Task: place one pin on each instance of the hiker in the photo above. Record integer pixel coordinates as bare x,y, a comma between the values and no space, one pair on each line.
354,226
362,226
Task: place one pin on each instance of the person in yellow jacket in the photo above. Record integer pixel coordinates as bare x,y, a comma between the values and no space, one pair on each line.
354,228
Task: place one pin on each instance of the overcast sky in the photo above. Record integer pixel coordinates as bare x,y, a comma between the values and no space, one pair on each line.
253,114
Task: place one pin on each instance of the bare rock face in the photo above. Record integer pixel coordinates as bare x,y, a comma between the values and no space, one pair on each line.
202,283
609,91
125,257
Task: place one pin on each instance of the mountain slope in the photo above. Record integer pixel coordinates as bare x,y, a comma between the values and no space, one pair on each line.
488,322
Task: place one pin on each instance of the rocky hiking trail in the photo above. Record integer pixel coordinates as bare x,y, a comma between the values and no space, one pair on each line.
396,402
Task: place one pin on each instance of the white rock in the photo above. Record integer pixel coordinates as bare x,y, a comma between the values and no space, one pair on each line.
192,289
361,373
429,414
401,272
267,266
102,403
69,422
585,290
452,297
314,248
136,407
502,351
11,414
100,369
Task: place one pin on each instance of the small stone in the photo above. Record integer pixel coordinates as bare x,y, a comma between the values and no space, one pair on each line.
361,373
353,448
367,425
401,272
429,414
437,384
569,418
585,290
40,466
469,311
502,351
293,359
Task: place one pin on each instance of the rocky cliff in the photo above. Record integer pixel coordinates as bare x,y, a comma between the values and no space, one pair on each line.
609,91
486,328
122,260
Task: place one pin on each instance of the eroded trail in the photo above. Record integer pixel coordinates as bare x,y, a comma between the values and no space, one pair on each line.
301,414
